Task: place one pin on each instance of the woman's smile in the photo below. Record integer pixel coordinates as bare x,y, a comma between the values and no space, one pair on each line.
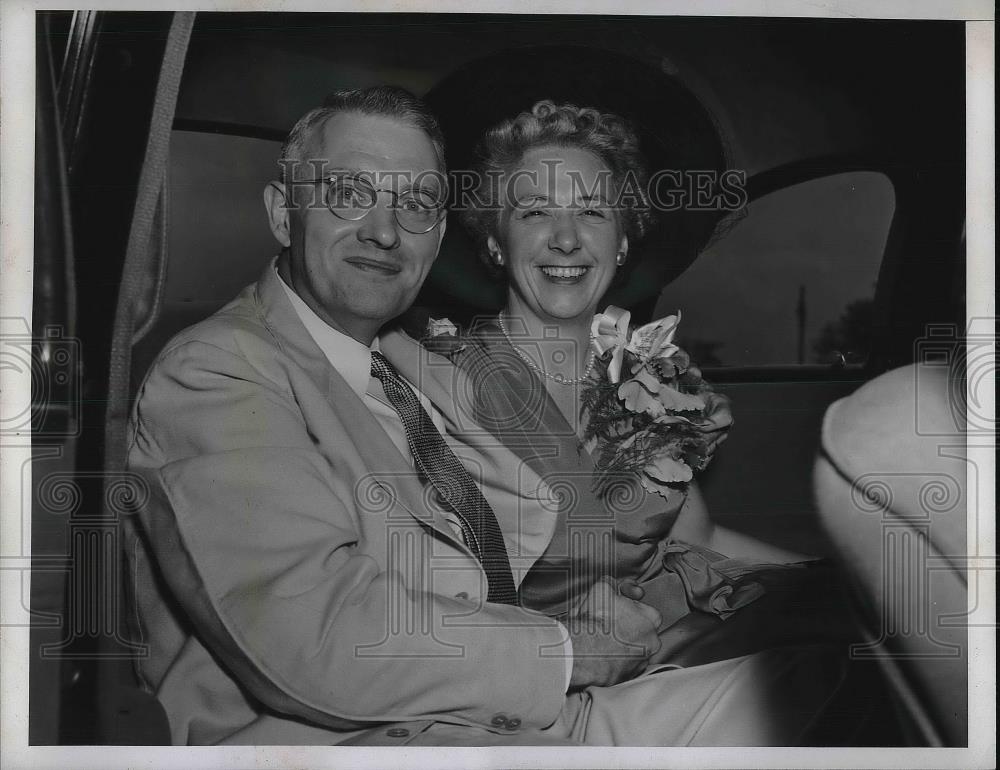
563,275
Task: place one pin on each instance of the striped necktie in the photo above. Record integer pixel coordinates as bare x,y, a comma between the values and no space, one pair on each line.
453,483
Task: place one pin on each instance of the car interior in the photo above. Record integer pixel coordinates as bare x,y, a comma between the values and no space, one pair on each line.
155,136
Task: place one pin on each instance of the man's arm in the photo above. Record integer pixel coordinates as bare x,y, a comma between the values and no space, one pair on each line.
259,537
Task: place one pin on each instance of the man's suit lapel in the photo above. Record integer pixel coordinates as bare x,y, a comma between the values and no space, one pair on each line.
376,451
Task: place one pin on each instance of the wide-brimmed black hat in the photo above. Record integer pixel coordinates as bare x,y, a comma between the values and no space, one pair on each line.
676,132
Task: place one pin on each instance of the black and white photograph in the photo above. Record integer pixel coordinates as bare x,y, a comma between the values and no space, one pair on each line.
523,385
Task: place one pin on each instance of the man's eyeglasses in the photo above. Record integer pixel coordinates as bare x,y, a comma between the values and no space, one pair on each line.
417,211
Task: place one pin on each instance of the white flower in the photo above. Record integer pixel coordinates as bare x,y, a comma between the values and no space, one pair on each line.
656,339
437,327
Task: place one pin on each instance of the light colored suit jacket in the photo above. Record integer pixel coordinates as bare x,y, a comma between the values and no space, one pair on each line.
293,579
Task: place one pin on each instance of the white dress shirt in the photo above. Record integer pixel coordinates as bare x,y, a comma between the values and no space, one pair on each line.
353,361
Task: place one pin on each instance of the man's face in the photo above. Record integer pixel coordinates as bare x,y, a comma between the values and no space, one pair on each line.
357,275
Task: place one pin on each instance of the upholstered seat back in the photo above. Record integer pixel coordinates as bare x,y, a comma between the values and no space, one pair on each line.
891,491
217,235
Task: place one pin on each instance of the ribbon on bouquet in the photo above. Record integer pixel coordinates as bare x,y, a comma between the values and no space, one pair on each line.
610,330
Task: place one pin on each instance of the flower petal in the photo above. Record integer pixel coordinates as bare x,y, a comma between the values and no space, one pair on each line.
667,470
652,486
654,338
673,362
638,399
676,401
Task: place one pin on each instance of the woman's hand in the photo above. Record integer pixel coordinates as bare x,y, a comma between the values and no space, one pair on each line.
719,419
630,589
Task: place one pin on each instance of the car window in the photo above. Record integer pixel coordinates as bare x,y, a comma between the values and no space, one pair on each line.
792,282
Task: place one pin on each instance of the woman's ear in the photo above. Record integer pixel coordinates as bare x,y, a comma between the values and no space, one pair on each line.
277,212
622,251
494,248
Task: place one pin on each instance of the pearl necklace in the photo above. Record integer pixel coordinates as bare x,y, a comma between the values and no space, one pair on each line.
558,378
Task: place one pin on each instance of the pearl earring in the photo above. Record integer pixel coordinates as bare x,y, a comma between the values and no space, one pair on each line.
498,258
621,259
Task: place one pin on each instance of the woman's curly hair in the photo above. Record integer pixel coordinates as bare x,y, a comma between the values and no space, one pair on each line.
610,137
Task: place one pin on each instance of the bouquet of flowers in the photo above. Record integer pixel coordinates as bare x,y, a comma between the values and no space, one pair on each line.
648,411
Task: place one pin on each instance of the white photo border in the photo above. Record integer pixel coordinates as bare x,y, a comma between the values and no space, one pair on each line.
17,20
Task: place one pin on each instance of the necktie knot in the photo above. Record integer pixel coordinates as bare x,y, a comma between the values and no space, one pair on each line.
381,368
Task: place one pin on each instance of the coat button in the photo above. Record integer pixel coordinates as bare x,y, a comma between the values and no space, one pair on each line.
397,732
461,595
499,720
513,723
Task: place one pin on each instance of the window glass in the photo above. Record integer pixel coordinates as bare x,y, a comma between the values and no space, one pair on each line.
793,282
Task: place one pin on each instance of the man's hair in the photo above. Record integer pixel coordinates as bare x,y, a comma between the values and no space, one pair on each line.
501,150
385,101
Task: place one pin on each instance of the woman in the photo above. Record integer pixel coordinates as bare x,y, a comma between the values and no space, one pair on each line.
563,194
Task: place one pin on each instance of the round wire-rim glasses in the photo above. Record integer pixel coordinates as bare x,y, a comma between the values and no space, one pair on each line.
417,210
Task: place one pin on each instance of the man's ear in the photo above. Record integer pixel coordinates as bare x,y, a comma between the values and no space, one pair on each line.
277,212
441,229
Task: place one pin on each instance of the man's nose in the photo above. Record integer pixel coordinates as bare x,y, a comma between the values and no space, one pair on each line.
379,226
564,237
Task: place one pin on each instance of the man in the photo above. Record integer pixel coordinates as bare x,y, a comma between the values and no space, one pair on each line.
328,554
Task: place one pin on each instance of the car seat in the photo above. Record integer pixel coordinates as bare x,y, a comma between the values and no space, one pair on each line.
891,491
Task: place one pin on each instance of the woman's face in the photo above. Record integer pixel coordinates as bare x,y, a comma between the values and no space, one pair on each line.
559,237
